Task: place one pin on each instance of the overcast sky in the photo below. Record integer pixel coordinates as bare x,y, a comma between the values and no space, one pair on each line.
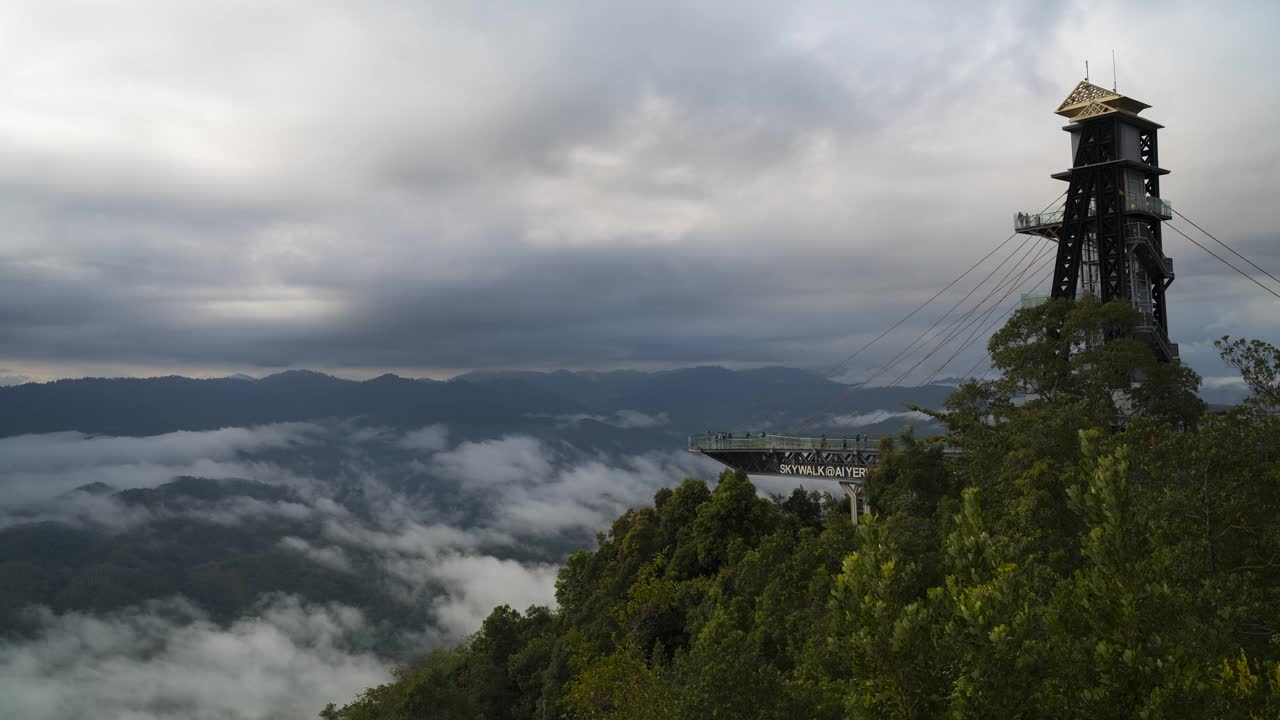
205,188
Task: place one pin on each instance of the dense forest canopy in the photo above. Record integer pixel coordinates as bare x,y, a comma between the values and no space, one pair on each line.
1102,548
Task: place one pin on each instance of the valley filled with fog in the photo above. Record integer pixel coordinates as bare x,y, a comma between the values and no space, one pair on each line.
264,569
298,560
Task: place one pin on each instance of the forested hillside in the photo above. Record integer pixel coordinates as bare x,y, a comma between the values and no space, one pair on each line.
1067,565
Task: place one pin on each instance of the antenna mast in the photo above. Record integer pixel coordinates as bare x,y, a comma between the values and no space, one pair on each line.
1113,70
1086,71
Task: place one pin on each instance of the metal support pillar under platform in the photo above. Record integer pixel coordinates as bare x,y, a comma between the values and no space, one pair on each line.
855,492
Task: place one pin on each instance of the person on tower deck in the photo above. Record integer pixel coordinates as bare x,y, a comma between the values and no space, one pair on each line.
823,441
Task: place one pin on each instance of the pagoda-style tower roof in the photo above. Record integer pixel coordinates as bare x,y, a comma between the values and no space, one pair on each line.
1088,100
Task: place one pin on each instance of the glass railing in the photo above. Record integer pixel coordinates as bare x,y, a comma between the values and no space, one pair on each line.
1152,205
1030,300
1159,207
765,441
1022,221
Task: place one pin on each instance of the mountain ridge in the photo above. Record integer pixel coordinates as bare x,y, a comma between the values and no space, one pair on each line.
690,399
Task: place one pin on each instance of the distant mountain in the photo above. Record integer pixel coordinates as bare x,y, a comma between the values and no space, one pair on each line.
186,489
94,488
629,410
128,406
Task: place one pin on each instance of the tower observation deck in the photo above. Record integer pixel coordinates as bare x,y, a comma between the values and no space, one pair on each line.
1108,231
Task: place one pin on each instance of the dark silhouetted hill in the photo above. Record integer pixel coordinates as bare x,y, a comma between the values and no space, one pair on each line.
564,404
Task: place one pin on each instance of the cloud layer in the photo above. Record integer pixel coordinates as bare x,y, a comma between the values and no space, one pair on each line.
444,531
168,660
440,186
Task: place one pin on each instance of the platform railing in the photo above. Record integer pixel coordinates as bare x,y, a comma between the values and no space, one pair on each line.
765,441
1151,205
1022,221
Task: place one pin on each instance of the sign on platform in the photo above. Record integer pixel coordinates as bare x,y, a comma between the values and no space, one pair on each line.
831,471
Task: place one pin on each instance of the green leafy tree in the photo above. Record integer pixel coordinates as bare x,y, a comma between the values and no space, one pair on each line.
895,674
1249,690
989,626
621,685
732,519
1259,366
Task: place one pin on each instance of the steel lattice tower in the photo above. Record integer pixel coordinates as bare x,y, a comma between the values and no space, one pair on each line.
1108,232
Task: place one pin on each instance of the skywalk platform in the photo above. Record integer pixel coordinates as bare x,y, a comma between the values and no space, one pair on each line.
832,458
846,460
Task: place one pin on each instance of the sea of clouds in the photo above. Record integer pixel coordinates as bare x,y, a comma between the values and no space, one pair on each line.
458,527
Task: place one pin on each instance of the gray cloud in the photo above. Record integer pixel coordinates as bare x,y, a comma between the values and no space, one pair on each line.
333,558
42,467
511,460
8,379
622,419
429,438
168,660
454,186
389,511
71,449
875,416
452,529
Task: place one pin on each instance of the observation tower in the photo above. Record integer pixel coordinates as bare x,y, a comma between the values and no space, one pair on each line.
1110,248
1108,231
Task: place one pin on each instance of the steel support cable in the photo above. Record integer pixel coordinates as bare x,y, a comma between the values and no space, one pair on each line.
882,369
1228,247
924,382
909,348
844,363
906,352
979,330
808,421
1247,276
1011,287
969,343
987,330
978,333
966,321
1002,317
